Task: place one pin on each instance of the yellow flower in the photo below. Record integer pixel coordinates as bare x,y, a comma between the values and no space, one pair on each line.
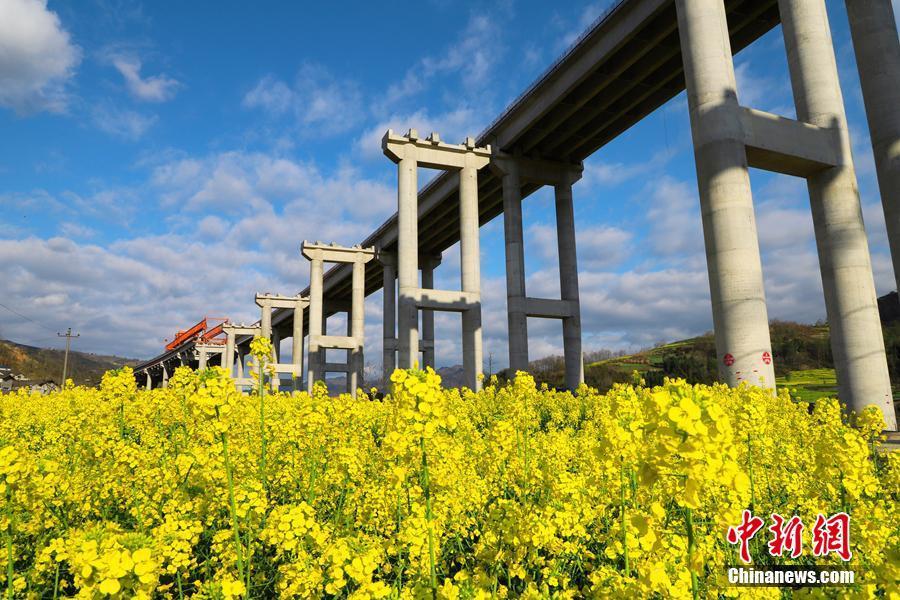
515,491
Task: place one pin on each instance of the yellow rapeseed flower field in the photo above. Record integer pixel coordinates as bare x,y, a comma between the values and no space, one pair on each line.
199,491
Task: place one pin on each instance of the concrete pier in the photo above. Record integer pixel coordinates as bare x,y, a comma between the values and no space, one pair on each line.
857,341
409,152
297,345
514,172
740,318
356,325
203,352
354,341
228,356
233,330
517,320
408,246
427,264
470,272
268,303
389,315
315,356
265,323
568,284
872,26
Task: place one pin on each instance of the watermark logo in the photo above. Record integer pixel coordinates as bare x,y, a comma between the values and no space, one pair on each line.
829,535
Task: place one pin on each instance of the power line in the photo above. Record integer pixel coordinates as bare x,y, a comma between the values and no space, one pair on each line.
17,313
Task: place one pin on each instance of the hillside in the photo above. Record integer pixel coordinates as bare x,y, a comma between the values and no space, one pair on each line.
43,364
802,353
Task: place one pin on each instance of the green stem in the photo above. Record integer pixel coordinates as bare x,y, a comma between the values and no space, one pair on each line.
262,429
750,466
9,544
249,557
689,522
632,475
622,519
178,579
231,504
426,484
399,526
56,582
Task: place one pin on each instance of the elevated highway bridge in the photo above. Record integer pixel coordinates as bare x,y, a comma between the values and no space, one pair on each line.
627,64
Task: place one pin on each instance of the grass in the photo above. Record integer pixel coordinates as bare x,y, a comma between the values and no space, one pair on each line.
809,385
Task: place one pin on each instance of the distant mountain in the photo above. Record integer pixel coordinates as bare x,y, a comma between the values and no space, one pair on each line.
45,364
452,377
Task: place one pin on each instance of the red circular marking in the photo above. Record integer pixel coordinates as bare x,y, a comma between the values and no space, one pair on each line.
728,359
767,358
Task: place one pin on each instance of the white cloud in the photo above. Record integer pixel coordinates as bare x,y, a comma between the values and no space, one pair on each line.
120,122
76,230
107,289
37,57
599,246
157,88
473,56
126,296
318,102
270,94
238,184
599,173
674,217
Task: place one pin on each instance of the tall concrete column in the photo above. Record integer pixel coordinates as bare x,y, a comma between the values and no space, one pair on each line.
240,363
350,374
356,320
165,377
408,152
470,263
407,261
149,381
228,356
739,310
515,270
297,348
265,321
315,359
850,299
265,324
389,333
568,285
276,355
202,359
427,267
874,33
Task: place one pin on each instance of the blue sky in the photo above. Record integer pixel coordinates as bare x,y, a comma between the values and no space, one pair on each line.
163,161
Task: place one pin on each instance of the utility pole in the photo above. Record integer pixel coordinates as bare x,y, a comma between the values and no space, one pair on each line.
68,335
490,364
